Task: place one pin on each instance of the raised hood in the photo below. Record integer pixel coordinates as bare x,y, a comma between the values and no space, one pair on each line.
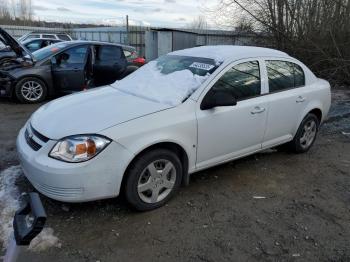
90,112
15,46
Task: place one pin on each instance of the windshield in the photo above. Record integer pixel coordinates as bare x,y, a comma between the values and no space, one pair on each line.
169,80
48,51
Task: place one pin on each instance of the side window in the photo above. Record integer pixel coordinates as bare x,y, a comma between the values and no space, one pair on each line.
284,75
49,36
34,45
109,53
75,55
299,76
243,80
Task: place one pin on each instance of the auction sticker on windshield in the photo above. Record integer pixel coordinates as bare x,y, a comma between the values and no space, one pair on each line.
202,66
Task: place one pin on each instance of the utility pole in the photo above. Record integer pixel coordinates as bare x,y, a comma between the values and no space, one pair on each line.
127,29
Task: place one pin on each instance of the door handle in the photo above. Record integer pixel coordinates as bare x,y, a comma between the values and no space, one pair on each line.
300,99
258,110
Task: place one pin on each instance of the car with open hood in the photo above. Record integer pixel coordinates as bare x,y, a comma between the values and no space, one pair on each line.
32,45
64,67
143,136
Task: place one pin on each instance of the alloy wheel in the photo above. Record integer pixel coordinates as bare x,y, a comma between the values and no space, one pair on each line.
32,90
156,181
308,134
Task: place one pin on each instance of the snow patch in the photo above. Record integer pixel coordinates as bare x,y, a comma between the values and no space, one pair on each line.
44,240
170,89
9,203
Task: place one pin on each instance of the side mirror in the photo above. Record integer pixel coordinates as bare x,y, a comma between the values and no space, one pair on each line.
215,98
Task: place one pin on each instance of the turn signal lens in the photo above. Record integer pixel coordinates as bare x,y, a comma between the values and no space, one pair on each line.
79,148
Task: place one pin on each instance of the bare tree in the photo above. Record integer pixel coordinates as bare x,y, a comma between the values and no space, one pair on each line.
317,31
199,23
25,10
4,10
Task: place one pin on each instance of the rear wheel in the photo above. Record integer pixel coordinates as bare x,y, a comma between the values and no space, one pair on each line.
306,134
31,90
153,179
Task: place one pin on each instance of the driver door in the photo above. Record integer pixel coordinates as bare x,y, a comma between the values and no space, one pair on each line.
228,132
68,69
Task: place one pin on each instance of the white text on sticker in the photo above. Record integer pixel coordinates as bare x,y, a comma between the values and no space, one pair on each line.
202,66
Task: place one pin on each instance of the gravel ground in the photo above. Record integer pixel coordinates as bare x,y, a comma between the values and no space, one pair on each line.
272,206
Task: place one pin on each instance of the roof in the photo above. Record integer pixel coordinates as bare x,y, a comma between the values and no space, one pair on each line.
220,53
45,39
212,32
74,42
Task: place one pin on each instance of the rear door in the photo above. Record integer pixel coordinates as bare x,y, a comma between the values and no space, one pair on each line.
287,100
109,65
68,69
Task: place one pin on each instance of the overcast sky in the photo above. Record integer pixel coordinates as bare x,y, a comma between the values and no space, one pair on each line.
173,13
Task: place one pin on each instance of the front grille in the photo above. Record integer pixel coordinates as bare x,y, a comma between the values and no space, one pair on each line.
30,141
38,135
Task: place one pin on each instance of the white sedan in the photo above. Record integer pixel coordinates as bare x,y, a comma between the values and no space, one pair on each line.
182,113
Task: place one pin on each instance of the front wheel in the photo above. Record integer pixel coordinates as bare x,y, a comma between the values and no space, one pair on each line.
30,90
153,179
306,134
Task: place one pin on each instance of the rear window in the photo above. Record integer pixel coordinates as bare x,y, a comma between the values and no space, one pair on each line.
127,53
63,37
284,75
109,53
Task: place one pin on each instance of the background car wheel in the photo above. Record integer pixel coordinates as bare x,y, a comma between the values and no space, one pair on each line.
306,134
153,179
31,90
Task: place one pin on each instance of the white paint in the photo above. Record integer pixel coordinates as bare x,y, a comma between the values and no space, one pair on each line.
221,53
147,110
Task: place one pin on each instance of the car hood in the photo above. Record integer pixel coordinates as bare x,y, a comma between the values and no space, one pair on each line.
90,112
15,46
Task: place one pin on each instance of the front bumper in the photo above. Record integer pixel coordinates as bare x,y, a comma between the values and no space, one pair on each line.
97,178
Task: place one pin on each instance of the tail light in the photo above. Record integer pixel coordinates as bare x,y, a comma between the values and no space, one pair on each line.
139,60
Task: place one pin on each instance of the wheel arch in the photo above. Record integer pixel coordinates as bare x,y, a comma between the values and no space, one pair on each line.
318,113
49,87
172,146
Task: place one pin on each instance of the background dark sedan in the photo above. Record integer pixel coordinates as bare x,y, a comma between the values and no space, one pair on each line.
63,67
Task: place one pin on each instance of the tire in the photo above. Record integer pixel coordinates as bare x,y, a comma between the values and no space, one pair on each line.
31,90
306,134
143,181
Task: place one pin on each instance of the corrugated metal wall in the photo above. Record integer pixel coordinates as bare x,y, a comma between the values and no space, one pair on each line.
179,39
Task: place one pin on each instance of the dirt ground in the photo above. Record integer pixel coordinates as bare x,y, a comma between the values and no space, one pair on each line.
304,215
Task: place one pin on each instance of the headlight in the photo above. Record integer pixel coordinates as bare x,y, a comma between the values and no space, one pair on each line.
79,148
